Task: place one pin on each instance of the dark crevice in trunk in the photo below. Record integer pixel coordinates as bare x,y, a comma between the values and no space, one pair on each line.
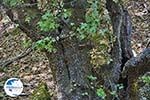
134,68
125,44
126,49
123,81
121,52
115,13
65,61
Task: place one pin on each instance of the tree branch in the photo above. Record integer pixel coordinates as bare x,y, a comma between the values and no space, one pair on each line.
148,44
20,56
26,28
140,63
26,5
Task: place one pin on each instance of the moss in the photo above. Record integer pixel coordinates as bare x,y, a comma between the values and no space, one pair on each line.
41,93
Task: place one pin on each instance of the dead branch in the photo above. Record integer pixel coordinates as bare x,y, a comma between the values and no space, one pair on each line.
141,63
148,43
20,56
26,28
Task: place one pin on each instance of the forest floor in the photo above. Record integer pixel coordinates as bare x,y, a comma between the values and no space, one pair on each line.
33,69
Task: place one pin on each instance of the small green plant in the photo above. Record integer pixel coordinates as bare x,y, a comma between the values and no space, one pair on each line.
120,86
46,43
146,79
92,18
92,78
66,13
101,93
41,93
48,22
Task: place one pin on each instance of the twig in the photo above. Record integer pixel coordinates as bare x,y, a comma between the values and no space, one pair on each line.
5,27
26,5
20,56
148,43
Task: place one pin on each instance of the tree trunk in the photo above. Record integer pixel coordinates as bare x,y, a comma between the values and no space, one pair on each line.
72,63
135,67
121,51
72,66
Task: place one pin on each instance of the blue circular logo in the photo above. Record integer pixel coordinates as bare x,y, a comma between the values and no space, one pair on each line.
13,87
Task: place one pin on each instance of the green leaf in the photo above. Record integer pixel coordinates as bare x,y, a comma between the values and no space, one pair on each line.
46,43
92,78
48,22
146,79
100,92
67,13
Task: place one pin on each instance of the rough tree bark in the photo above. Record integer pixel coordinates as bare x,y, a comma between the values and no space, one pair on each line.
121,52
71,71
134,68
123,60
70,64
